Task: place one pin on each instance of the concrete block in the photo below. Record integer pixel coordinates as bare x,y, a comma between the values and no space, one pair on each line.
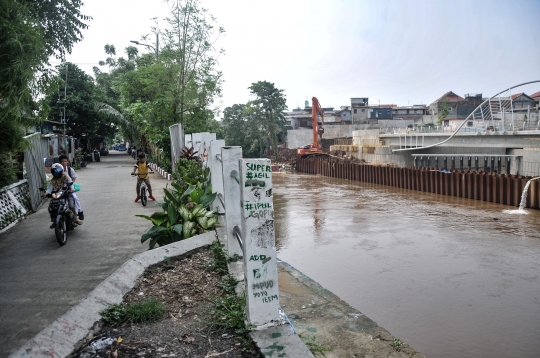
280,341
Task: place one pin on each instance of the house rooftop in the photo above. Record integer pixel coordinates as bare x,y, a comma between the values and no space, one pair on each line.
450,95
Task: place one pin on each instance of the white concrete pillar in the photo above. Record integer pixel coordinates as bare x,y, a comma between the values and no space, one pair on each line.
206,140
196,143
230,157
259,247
216,173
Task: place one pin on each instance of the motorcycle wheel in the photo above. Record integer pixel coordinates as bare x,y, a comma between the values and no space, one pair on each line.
61,232
143,196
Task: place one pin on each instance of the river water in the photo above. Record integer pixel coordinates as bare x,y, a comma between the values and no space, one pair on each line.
452,277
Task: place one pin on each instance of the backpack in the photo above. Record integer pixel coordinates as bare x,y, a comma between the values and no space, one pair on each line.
70,172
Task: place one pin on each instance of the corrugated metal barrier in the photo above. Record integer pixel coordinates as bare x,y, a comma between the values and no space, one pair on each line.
503,189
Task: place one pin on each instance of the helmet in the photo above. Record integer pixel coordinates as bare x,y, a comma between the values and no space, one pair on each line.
57,170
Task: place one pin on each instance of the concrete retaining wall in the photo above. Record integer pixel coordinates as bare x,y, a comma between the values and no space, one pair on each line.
304,136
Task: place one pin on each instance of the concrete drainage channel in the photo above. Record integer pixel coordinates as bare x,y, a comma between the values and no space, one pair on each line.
64,335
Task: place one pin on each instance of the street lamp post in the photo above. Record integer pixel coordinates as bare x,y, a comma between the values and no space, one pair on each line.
156,49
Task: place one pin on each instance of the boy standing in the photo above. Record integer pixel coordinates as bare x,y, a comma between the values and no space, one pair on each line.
141,167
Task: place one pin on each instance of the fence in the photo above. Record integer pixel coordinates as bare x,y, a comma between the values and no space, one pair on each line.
244,188
14,204
496,188
18,199
177,143
34,158
245,201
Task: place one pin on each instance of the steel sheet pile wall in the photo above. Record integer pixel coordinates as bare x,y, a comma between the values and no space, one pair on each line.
496,188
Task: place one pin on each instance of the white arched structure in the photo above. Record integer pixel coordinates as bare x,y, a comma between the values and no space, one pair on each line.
497,106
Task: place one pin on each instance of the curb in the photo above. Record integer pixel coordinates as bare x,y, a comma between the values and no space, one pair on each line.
60,338
163,173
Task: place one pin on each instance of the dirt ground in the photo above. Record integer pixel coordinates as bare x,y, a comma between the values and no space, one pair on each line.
186,286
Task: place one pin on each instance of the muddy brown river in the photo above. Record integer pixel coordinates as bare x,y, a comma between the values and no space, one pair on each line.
451,277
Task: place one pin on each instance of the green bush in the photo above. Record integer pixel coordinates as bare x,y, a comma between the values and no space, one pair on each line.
7,174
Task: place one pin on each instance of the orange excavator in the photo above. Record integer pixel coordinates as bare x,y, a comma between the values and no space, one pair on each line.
318,130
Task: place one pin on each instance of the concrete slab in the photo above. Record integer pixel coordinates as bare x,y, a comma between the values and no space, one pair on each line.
280,341
323,318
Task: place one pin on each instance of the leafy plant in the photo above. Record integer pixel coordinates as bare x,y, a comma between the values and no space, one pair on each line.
114,315
314,346
191,154
185,210
219,263
227,314
228,283
396,343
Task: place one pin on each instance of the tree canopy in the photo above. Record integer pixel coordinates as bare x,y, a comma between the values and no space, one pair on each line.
255,125
30,33
74,92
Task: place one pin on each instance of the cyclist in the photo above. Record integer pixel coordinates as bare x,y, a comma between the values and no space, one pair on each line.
141,167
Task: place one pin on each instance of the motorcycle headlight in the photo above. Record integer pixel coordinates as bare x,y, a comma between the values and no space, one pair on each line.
57,195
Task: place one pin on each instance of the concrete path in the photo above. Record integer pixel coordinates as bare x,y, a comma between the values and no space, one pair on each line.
40,281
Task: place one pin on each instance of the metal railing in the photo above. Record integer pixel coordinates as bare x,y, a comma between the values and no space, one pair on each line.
424,160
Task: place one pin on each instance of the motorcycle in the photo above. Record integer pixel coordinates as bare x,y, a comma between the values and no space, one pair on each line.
97,157
61,215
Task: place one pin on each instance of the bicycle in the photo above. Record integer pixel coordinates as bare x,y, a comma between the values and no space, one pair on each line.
143,189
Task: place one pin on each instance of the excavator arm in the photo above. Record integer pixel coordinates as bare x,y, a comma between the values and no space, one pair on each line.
318,130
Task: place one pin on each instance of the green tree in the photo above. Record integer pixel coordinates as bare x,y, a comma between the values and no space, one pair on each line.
30,33
82,116
444,110
243,130
268,109
188,53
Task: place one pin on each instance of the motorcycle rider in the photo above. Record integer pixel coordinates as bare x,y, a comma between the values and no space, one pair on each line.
142,167
73,175
58,182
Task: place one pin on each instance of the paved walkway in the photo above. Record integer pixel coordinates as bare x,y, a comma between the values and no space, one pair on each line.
41,280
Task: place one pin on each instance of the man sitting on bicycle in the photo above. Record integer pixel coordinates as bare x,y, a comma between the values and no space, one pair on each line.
141,167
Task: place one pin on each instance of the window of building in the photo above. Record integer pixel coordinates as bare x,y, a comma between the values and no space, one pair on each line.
362,111
469,123
355,111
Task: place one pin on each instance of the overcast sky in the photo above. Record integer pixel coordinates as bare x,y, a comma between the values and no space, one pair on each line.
394,51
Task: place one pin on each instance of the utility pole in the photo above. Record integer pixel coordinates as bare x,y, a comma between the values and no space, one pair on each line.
156,50
65,98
